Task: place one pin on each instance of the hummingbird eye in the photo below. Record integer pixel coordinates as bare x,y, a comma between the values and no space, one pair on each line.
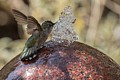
47,24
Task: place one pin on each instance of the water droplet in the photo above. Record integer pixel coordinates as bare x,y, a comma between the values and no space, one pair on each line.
63,29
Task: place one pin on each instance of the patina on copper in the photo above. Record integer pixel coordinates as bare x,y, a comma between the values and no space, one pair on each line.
57,61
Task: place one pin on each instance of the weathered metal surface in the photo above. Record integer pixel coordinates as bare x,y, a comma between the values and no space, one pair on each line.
57,61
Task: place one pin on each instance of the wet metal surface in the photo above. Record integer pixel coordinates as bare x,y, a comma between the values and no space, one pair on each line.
60,62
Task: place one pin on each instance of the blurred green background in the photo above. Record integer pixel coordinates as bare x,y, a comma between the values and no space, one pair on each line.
97,24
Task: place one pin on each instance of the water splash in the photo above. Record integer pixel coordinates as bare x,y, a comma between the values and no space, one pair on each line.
63,29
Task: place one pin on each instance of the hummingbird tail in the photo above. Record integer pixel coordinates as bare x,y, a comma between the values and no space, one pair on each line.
28,54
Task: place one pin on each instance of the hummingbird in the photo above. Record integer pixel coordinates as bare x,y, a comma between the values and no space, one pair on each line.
39,34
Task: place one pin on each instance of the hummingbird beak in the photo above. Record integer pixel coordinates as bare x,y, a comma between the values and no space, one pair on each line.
54,23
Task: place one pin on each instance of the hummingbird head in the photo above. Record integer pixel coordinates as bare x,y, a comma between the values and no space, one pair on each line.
47,26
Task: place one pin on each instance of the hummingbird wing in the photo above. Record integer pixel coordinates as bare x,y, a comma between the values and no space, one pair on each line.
33,24
19,17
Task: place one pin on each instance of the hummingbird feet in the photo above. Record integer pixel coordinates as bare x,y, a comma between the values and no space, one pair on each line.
29,54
